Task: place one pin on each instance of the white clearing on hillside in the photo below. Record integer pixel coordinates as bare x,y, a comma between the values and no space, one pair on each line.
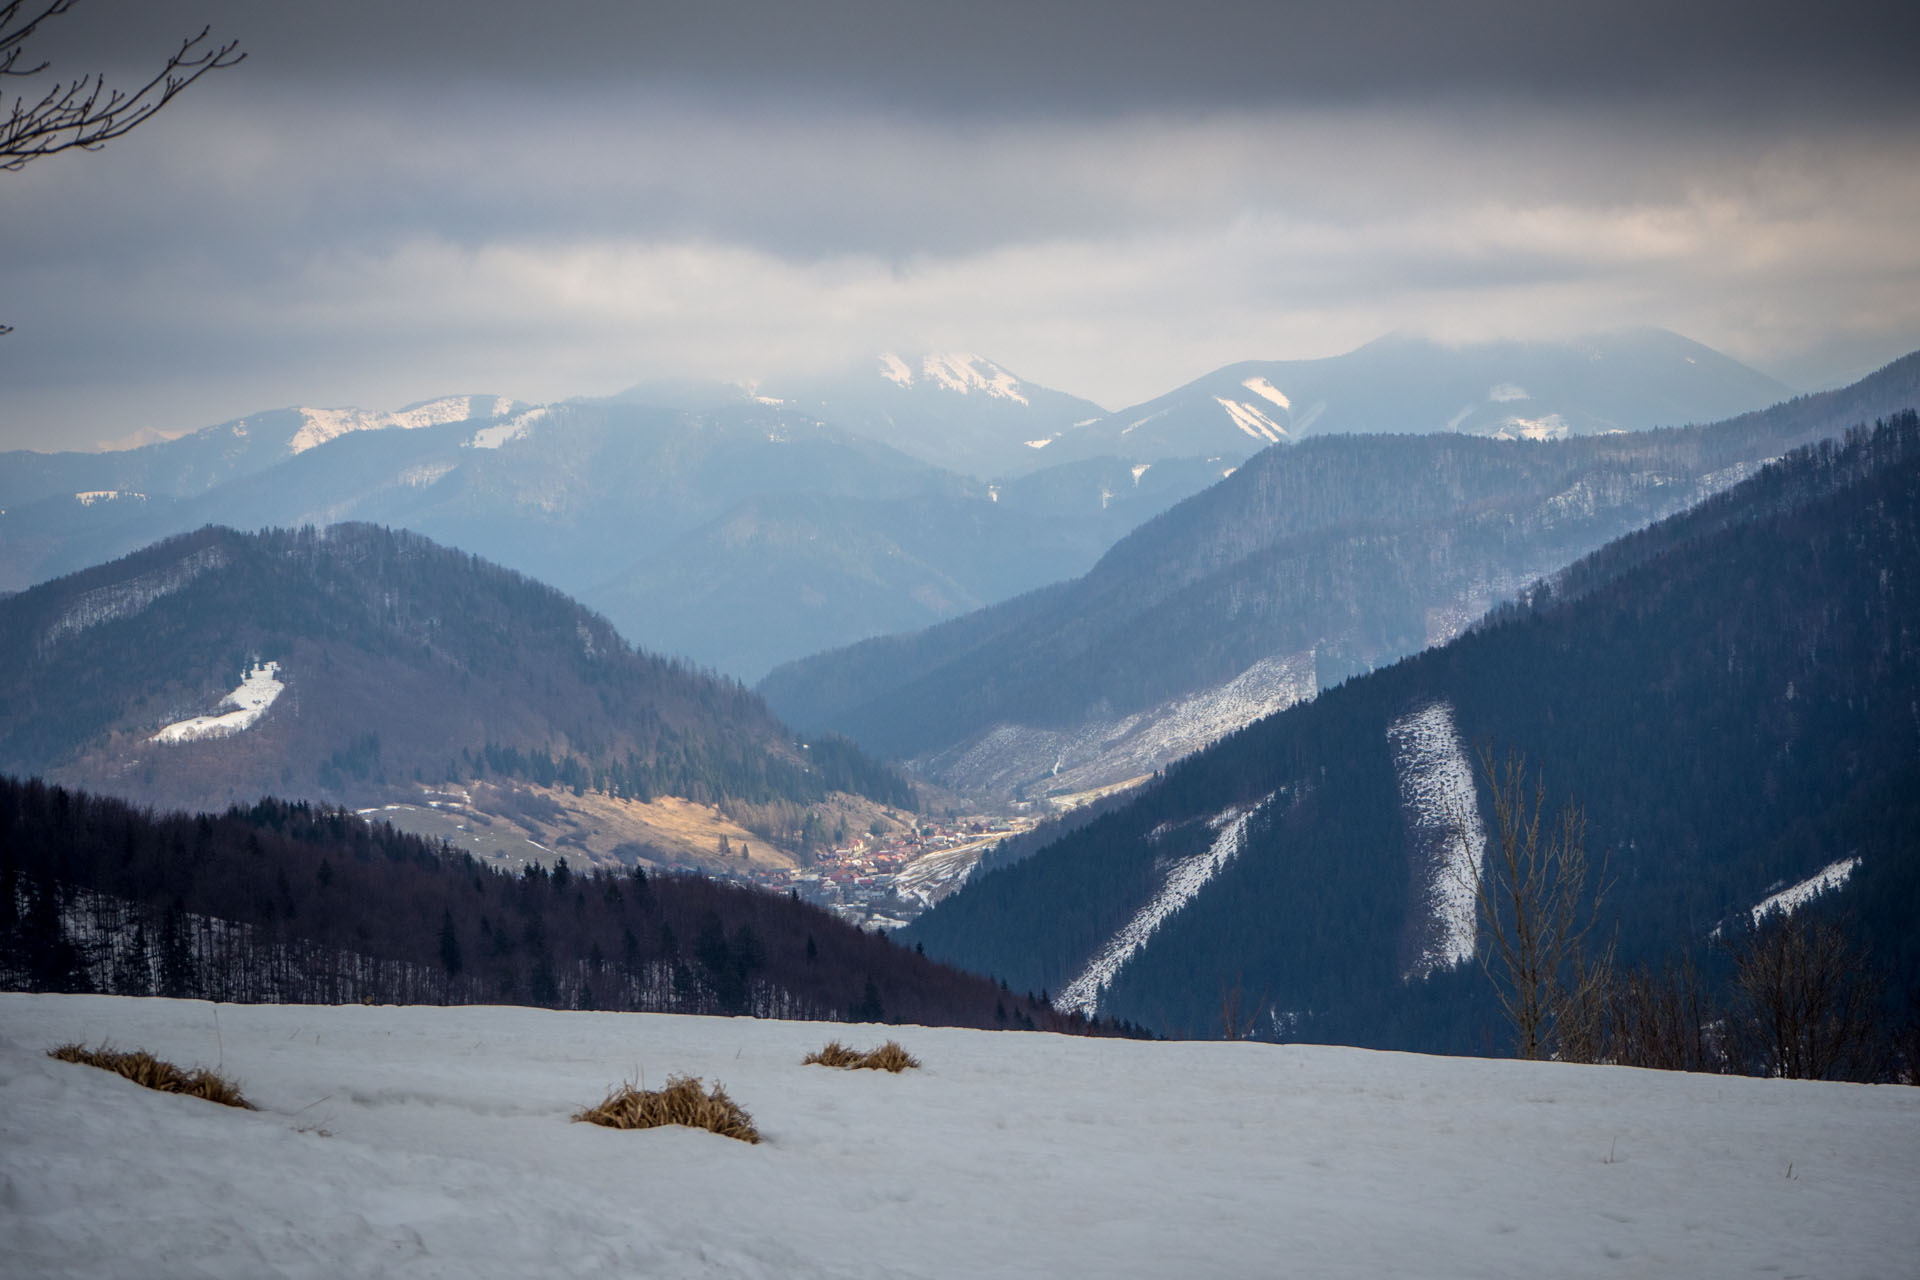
323,425
411,1141
249,702
495,436
1550,427
1252,421
1267,391
1187,878
92,496
1792,898
124,599
1442,815
1006,758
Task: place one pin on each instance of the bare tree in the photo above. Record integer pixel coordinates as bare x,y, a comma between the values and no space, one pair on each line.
1809,999
1537,910
84,113
1665,1021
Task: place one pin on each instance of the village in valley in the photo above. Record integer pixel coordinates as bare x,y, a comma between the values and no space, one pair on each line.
885,880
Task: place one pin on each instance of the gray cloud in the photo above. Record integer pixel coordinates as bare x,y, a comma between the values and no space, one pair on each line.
1021,56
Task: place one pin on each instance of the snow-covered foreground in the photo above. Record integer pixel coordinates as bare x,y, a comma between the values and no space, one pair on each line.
436,1142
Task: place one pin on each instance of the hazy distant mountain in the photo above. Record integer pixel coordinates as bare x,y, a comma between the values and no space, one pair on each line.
365,666
1728,695
625,502
1523,390
192,464
1305,566
953,409
788,574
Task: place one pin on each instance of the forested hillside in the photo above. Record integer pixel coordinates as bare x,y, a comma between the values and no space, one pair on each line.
371,663
300,904
1344,553
1728,696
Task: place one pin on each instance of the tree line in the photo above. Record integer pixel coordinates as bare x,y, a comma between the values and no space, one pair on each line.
294,902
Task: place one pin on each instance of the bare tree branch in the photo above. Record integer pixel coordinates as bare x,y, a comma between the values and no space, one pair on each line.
85,113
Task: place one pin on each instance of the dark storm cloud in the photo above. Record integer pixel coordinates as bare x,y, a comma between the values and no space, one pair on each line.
1016,56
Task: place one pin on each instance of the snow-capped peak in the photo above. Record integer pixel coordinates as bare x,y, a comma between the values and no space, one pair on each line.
322,425
958,371
895,370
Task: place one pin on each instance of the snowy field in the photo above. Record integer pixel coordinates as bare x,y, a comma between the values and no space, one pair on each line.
436,1142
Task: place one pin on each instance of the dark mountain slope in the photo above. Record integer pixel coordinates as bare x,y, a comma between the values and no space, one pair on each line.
395,663
1356,550
1729,697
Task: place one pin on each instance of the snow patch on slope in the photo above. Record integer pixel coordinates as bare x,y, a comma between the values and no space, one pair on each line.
1250,420
895,370
964,372
1550,427
322,425
1267,391
1012,759
124,599
1442,815
1187,878
1792,898
249,702
512,429
92,496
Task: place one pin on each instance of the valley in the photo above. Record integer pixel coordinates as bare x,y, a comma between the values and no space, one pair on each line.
735,641
877,867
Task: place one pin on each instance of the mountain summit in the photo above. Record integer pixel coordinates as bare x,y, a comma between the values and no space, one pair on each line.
1626,381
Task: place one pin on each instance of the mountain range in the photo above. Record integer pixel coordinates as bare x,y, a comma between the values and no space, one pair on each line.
1629,380
743,525
1727,695
1306,566
808,535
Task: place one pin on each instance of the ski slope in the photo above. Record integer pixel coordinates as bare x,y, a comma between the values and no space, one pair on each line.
436,1142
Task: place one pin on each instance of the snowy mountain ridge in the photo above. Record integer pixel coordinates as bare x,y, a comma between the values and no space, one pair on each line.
961,372
321,425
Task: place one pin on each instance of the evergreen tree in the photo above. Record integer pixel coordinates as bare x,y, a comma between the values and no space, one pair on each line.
449,945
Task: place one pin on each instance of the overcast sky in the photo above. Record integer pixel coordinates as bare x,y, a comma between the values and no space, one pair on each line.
396,200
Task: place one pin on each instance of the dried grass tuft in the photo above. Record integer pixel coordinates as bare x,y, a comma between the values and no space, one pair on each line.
144,1069
890,1056
683,1101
